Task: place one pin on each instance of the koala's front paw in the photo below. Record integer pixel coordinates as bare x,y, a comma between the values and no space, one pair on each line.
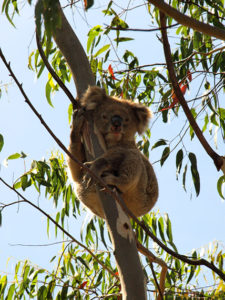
77,124
87,178
109,179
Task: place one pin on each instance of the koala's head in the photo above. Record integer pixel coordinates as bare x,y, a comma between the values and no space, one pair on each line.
117,119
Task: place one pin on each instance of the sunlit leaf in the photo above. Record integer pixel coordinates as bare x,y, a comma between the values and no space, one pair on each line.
14,156
11,291
161,228
220,186
103,49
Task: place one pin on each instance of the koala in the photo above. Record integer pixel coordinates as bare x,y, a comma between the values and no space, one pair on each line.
122,165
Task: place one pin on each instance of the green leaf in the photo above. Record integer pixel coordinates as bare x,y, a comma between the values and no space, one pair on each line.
184,177
165,154
70,112
168,228
220,184
103,49
161,228
194,172
38,15
1,142
122,39
3,284
197,40
5,7
48,221
83,262
89,4
11,291
14,156
191,273
24,182
42,293
179,159
48,90
161,142
57,221
93,33
222,113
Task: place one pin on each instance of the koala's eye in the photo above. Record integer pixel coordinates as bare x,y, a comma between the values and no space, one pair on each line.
127,119
104,116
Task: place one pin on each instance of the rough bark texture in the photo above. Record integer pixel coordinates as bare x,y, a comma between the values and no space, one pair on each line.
125,250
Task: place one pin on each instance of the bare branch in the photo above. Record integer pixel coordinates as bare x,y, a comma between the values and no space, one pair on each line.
218,160
197,262
53,73
56,224
188,21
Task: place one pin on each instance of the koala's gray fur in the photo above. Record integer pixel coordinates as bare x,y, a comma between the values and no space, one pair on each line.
122,165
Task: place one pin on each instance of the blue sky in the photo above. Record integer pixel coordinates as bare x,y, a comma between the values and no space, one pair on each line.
196,221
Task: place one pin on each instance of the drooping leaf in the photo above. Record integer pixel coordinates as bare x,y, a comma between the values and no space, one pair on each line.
11,291
165,155
220,185
161,228
48,90
1,142
179,159
194,172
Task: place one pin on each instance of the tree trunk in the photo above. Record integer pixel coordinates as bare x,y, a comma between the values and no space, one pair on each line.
133,284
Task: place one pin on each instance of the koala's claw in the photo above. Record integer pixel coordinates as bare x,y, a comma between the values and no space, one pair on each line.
87,179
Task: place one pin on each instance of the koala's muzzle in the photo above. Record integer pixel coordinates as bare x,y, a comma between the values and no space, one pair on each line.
116,123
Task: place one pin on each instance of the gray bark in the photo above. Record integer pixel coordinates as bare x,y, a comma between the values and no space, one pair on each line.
130,270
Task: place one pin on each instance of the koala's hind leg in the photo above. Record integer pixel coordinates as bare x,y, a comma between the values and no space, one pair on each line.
116,169
76,147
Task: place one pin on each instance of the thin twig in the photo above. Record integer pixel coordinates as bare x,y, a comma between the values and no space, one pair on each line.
156,281
138,29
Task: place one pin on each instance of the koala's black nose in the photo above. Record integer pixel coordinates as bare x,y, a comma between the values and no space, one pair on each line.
116,121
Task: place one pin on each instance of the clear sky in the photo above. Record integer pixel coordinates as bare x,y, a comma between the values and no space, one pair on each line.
196,221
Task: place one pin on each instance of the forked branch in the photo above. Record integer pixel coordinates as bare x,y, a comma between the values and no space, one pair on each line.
218,160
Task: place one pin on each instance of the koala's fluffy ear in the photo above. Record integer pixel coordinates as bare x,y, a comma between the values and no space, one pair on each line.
92,97
143,115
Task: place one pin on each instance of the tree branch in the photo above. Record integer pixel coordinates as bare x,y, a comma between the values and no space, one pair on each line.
197,262
74,54
54,222
188,21
53,73
218,160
